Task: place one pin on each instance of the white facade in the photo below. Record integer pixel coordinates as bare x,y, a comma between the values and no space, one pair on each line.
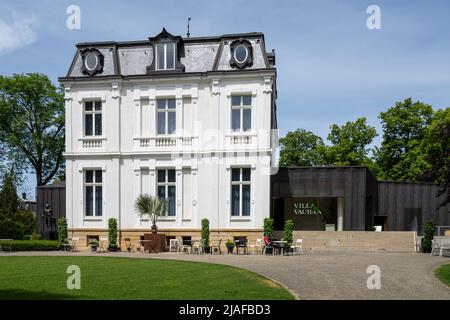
203,150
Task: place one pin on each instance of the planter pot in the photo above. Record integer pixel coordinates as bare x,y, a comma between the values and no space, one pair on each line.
230,249
207,250
112,248
94,248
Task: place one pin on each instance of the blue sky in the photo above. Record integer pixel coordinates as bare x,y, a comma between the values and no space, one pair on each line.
331,67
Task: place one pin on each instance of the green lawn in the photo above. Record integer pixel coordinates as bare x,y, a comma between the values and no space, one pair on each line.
443,273
126,278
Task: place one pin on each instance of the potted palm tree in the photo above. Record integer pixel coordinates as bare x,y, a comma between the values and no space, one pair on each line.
151,207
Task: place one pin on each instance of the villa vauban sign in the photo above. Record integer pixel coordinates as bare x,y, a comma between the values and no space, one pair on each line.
306,208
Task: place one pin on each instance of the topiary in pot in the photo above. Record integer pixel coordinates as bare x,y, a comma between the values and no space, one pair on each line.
205,234
62,231
287,234
268,228
428,236
112,234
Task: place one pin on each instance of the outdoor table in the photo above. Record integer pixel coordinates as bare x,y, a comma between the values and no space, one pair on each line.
281,244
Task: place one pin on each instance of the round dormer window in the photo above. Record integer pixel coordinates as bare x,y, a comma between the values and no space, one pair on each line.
91,61
240,53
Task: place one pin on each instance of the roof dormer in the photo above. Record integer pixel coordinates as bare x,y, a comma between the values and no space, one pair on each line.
167,51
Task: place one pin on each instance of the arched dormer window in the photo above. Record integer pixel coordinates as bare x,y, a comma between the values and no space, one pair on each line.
167,51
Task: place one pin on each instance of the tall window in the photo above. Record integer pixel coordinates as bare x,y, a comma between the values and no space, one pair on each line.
241,113
165,56
93,193
166,116
166,189
92,118
240,191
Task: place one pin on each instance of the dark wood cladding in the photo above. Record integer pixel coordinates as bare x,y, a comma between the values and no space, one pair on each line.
354,184
406,206
55,196
400,201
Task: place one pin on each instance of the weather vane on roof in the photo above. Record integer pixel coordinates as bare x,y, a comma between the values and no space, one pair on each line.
188,34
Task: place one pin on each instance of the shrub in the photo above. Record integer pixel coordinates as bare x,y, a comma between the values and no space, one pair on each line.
112,232
62,230
30,245
10,229
205,232
287,234
230,243
428,236
268,228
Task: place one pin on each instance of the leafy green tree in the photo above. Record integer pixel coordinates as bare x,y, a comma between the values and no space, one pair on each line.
301,148
32,124
433,162
15,219
349,144
404,127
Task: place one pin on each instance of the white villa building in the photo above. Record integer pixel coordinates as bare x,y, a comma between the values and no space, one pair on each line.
192,120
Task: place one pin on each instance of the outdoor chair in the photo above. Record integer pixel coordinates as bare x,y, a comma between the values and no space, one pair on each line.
241,244
69,244
216,248
197,246
445,249
268,245
102,244
435,247
257,246
173,245
129,245
185,248
141,246
298,246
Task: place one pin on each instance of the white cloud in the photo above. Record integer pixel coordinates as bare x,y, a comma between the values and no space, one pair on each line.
17,34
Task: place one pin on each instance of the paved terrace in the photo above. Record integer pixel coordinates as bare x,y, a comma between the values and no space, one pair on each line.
325,275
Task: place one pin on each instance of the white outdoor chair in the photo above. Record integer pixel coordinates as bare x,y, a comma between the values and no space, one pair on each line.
298,246
257,246
173,245
102,242
445,249
435,247
184,248
197,246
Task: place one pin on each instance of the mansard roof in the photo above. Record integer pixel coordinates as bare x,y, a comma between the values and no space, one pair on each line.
197,55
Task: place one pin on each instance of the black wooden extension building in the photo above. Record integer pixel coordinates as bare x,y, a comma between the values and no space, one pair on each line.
351,198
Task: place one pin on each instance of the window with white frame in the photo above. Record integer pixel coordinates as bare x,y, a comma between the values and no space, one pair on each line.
166,116
92,118
166,189
165,56
93,193
241,113
240,191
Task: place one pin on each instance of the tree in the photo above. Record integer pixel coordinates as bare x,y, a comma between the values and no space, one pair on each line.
32,124
349,144
150,206
433,163
404,127
15,219
301,148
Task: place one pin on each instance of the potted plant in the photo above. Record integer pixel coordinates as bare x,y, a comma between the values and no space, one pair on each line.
112,235
94,245
427,240
205,235
150,206
268,228
288,230
230,246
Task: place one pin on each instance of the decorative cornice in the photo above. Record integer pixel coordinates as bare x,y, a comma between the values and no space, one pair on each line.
215,90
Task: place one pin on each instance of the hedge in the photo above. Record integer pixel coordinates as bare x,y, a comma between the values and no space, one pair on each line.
29,245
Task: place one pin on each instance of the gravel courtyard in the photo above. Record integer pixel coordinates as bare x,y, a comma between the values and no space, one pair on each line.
328,275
